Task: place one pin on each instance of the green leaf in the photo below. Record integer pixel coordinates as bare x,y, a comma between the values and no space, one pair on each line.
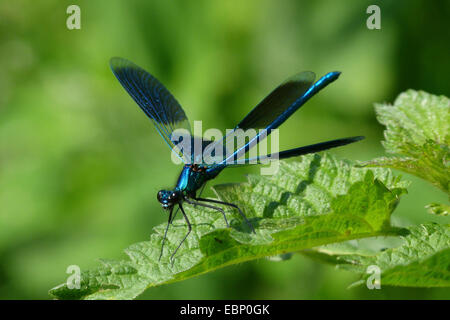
423,260
438,209
316,201
417,128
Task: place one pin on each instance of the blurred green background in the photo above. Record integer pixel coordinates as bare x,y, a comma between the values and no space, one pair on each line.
80,164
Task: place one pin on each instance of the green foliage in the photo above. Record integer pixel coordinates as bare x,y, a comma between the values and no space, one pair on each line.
80,164
314,206
417,127
438,209
310,203
423,260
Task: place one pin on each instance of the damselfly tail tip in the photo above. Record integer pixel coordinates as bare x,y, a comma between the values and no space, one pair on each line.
331,76
335,74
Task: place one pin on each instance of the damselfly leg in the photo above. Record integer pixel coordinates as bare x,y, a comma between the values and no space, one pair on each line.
230,205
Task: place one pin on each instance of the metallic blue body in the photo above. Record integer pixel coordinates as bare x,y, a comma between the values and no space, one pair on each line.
193,177
313,89
167,115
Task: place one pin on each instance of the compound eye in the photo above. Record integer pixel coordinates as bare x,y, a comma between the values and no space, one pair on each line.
159,196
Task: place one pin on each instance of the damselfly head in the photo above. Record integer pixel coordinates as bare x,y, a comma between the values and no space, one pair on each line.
168,198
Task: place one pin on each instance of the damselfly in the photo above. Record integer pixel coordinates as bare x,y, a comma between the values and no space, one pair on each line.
167,116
